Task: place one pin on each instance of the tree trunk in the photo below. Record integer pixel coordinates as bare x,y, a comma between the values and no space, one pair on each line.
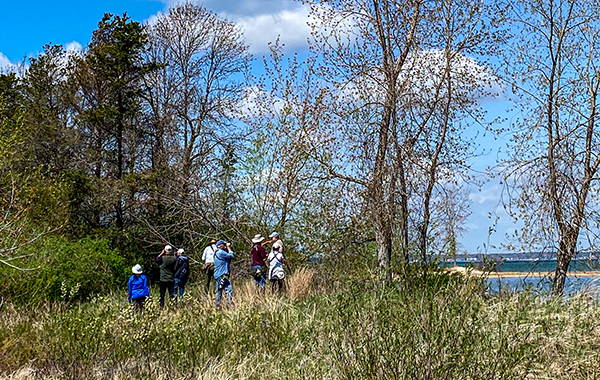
566,252
383,237
118,205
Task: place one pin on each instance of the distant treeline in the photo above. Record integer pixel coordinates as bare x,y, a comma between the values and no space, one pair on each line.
516,256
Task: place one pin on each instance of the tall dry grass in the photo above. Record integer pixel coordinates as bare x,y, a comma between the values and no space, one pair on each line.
299,284
440,327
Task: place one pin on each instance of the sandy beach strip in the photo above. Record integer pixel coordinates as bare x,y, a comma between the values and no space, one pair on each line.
501,275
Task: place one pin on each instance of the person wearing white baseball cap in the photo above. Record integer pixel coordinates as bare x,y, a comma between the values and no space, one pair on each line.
182,272
138,288
276,272
275,240
166,260
208,256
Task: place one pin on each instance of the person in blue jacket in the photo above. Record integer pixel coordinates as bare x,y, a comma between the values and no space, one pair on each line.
223,257
138,288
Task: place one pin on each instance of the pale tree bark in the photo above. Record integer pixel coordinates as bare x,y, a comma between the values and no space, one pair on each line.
389,31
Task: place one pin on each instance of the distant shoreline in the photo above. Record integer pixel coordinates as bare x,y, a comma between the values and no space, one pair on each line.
501,275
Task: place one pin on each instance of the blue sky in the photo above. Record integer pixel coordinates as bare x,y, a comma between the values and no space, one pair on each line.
27,25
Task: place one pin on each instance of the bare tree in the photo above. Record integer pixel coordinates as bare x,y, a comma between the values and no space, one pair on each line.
193,101
391,109
202,81
285,188
554,67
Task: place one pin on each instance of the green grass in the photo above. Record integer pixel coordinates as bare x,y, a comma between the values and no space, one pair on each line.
442,328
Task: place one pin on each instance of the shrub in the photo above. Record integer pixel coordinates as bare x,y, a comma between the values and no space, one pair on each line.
62,270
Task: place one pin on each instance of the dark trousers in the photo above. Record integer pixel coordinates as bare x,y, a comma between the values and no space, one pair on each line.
138,304
210,273
164,286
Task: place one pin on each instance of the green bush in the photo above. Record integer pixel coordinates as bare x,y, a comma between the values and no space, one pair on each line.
62,270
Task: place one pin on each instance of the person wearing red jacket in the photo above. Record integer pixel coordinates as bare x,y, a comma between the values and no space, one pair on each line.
259,260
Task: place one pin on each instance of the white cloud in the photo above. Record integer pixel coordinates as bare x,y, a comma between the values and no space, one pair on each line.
6,66
73,47
486,195
259,102
4,61
262,21
289,25
427,70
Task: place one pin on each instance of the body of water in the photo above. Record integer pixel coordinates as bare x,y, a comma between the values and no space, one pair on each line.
573,284
527,266
577,279
546,266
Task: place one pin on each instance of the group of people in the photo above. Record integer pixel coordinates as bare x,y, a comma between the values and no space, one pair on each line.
217,256
275,258
174,274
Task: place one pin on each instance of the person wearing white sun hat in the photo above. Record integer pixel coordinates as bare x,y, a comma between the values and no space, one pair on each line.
138,288
208,256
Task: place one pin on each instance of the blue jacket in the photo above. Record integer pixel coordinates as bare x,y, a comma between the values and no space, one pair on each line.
222,259
138,287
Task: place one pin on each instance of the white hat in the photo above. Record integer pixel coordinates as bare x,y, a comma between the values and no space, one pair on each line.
274,234
137,269
180,251
258,238
168,248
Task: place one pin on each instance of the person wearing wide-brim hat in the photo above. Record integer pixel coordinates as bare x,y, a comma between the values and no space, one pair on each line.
259,260
138,288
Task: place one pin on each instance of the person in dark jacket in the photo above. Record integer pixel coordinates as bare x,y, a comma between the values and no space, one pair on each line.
166,260
259,259
182,272
138,288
